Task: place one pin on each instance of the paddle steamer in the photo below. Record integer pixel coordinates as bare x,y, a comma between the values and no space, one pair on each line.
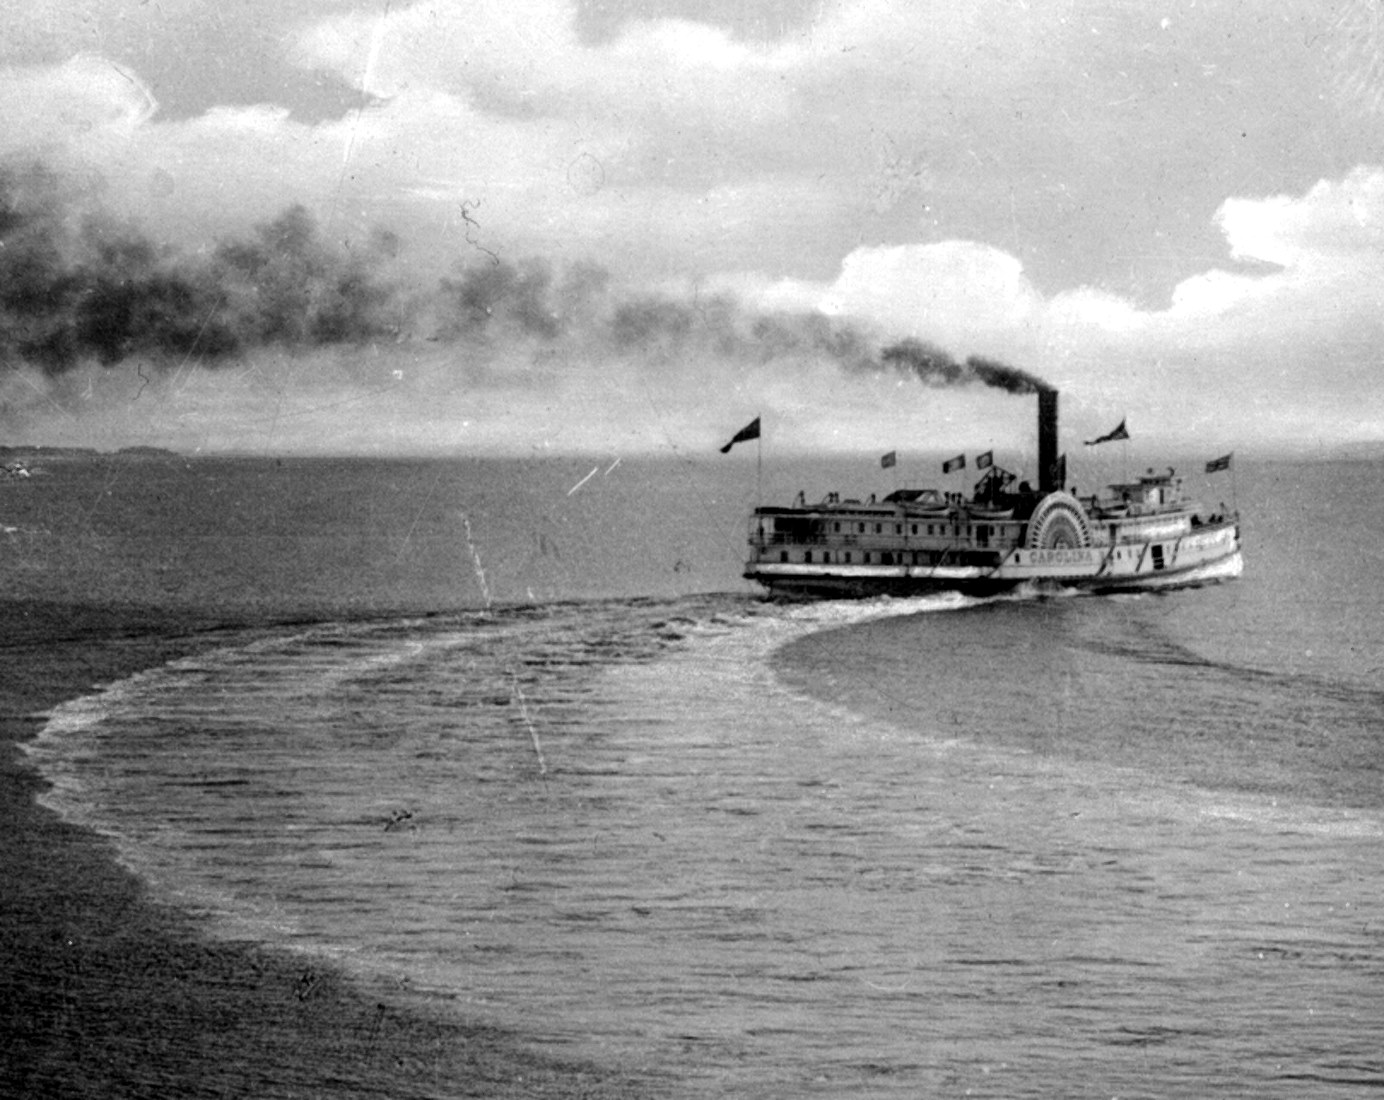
1134,535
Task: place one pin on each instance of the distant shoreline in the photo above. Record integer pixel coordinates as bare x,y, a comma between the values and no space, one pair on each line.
111,992
44,451
1182,455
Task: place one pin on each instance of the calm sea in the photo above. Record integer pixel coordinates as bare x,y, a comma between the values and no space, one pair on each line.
535,754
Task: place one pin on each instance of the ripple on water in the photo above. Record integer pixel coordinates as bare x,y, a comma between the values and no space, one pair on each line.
616,827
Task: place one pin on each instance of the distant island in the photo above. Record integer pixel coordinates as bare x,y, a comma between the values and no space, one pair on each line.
39,450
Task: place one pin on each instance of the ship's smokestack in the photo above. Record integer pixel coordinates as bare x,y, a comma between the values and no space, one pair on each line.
1049,477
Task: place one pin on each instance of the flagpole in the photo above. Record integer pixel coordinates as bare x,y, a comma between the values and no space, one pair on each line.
1124,452
758,470
1234,495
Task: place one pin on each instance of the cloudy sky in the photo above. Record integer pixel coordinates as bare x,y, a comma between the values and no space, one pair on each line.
1172,211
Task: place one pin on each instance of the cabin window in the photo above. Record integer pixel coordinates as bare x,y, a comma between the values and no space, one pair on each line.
982,534
862,528
838,528
879,527
846,557
915,528
783,555
898,528
929,529
799,528
807,557
1158,556
886,558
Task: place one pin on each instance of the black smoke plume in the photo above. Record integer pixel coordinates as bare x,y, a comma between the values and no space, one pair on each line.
92,290
932,365
102,291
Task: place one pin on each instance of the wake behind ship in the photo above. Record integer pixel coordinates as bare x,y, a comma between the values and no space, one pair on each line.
1139,534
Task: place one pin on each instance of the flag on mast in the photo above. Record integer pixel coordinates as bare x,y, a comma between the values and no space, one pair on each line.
985,461
957,463
748,432
1222,463
1110,436
891,459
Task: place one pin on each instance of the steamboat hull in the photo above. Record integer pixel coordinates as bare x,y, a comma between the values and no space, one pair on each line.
1211,555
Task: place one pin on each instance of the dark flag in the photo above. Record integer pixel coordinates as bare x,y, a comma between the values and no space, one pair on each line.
1222,463
985,461
1110,437
957,463
748,432
891,459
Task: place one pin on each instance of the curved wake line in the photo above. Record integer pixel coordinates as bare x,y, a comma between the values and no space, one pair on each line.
84,713
70,739
830,614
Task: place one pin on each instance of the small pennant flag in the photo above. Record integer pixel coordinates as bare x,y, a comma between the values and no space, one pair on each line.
957,463
891,459
1222,463
748,432
1110,437
985,461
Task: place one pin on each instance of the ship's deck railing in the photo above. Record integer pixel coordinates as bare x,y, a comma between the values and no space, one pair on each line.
795,538
945,545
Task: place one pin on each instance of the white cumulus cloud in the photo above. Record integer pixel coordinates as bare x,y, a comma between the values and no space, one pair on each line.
86,101
1335,216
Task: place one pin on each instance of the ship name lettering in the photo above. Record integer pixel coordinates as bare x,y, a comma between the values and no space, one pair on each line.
1060,557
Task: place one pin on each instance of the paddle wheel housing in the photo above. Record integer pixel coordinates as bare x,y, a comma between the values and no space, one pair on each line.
1058,523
